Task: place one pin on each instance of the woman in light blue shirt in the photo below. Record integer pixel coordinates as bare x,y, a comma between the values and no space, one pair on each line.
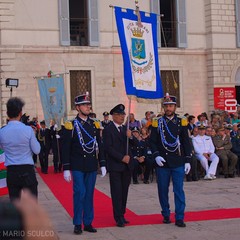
19,143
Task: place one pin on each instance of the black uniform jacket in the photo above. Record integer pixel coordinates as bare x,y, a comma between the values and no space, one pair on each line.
175,158
73,155
46,135
115,145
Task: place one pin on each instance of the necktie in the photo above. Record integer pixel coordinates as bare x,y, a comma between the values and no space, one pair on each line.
120,129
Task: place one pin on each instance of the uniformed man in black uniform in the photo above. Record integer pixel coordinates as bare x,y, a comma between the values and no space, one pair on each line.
45,140
119,162
106,120
139,153
82,148
172,152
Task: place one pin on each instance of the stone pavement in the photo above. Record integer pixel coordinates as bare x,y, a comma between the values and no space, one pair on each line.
201,195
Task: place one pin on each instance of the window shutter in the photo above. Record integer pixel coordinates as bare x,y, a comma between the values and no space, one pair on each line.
155,8
64,22
181,23
237,6
93,23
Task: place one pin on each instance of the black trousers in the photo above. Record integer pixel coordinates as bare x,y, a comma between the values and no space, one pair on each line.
119,184
21,177
148,164
43,158
56,156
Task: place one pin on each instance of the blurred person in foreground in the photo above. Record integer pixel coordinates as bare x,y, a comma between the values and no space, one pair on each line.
171,149
19,143
25,219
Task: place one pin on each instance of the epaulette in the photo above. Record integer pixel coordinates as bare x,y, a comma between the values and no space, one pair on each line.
97,123
184,121
68,125
155,122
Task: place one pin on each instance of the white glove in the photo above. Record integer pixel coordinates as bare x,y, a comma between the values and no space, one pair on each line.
67,175
55,127
57,136
160,160
104,171
187,168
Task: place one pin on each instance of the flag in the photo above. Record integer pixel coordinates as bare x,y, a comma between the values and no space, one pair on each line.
3,175
140,53
53,98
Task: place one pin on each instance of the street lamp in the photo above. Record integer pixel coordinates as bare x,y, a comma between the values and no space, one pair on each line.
11,82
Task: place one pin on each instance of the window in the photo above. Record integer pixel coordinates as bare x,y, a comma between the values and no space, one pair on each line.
170,83
79,22
173,22
168,23
78,19
80,83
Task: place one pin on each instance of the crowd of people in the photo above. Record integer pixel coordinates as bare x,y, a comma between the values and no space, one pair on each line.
50,142
130,150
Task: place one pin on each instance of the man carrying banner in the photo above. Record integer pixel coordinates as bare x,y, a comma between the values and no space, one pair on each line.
172,152
119,162
82,148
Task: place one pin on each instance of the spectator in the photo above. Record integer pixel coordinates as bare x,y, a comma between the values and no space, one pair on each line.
133,122
45,139
216,121
204,150
228,129
208,131
202,120
236,146
106,120
149,160
56,141
193,174
19,142
234,131
145,120
138,150
235,119
191,123
223,147
195,131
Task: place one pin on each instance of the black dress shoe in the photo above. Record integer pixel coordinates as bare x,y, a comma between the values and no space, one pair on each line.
90,228
231,175
120,224
226,175
77,229
135,182
146,182
180,223
125,221
166,220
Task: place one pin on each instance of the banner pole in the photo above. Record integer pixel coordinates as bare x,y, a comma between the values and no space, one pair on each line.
128,120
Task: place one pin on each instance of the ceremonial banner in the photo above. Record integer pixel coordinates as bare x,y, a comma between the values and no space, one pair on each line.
225,99
53,98
140,53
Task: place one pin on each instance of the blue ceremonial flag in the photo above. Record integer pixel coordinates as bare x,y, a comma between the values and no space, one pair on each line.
53,98
140,53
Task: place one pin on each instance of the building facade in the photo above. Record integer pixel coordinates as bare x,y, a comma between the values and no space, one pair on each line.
198,50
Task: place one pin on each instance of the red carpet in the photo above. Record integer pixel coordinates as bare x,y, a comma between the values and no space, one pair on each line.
103,206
